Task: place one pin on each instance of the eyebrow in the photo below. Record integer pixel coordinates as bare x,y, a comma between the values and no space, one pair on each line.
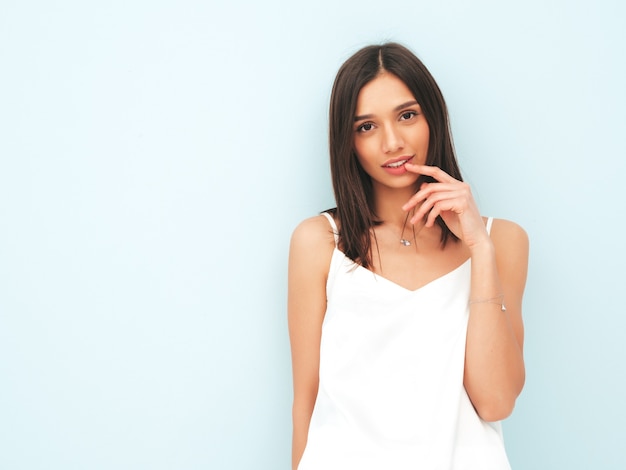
397,108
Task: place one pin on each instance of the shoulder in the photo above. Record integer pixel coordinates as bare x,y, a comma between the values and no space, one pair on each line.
312,243
314,232
507,235
512,247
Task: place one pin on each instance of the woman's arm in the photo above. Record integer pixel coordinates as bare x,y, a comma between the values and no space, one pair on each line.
309,259
494,363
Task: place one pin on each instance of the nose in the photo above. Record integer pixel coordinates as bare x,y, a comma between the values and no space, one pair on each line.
392,139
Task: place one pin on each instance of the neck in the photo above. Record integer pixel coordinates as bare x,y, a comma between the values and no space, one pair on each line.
389,202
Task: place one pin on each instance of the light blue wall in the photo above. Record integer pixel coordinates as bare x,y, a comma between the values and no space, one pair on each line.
155,156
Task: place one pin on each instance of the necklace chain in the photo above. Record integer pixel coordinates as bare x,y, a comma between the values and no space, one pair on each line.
404,241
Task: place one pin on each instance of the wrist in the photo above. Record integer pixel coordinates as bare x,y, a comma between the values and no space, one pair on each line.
483,250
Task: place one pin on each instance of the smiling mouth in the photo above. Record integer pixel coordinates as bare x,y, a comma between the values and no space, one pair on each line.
397,164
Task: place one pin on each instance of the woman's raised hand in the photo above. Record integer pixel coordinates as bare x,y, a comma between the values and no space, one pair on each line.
452,200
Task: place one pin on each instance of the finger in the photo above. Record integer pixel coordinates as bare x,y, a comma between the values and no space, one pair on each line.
419,196
432,216
439,208
413,201
433,171
429,189
450,201
412,168
430,213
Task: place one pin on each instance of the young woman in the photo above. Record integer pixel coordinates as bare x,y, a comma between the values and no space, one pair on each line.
404,303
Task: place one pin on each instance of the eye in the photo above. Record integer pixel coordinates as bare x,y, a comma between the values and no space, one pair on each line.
405,116
365,127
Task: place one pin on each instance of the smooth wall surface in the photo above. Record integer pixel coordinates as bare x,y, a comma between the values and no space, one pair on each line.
155,157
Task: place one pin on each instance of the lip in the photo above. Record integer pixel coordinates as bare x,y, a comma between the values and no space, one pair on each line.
397,170
405,159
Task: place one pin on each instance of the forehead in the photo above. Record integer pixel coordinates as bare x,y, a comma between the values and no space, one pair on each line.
386,91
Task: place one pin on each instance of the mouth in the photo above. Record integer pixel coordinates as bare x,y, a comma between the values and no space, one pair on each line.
398,163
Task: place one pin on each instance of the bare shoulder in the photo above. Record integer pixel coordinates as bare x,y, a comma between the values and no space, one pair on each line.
511,244
314,232
509,236
312,243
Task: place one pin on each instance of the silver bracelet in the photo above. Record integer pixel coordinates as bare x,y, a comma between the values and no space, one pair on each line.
498,300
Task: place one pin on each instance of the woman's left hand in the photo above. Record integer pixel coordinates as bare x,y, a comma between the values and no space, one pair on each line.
452,200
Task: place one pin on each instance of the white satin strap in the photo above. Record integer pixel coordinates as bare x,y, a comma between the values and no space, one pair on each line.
488,226
333,225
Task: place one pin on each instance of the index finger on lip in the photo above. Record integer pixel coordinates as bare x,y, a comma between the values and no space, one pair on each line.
433,171
413,168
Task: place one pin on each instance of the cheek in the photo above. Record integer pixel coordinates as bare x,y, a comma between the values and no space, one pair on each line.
361,155
423,137
363,150
362,163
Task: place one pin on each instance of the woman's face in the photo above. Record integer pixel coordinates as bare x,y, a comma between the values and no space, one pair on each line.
389,130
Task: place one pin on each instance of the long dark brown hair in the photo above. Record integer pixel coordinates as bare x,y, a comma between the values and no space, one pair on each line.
352,185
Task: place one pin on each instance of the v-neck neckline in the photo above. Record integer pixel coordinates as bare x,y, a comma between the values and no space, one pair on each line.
395,284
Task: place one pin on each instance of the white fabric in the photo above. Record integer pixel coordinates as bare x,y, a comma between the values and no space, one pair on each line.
391,393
